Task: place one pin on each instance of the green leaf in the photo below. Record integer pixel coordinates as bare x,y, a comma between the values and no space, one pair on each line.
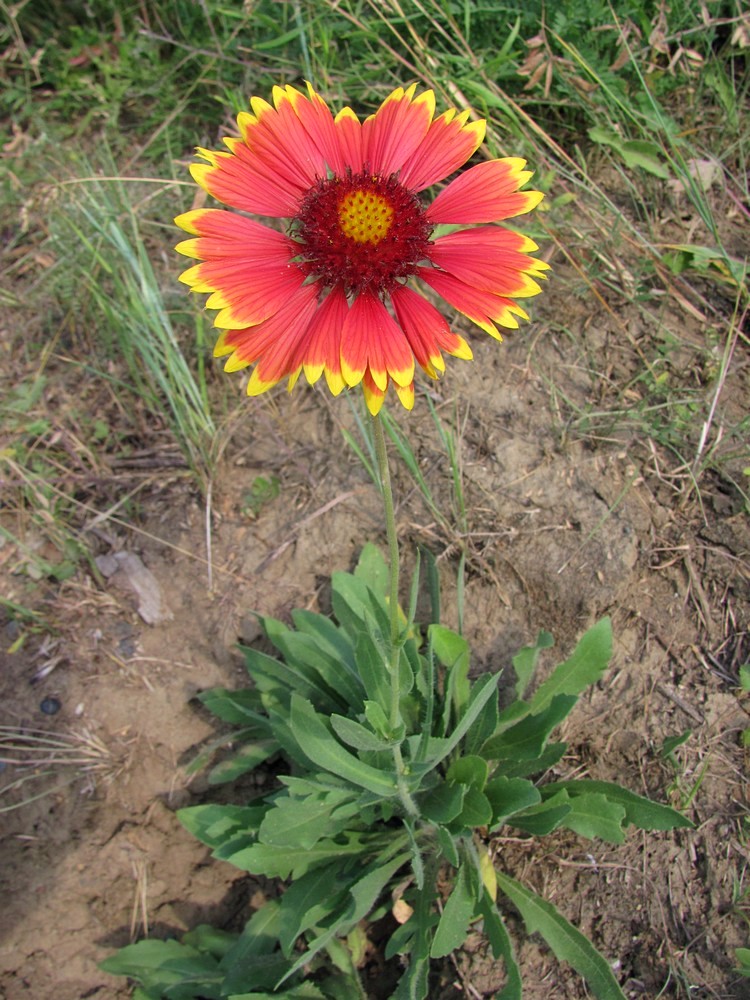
378,719
457,914
320,670
280,678
502,947
646,155
484,727
305,991
453,652
281,862
567,943
476,810
359,736
414,984
535,765
247,758
168,967
447,842
640,811
634,152
237,707
364,894
481,692
328,636
508,796
669,745
584,668
526,739
372,664
215,824
469,770
309,901
211,940
322,749
543,818
525,660
354,604
258,941
373,570
594,815
302,822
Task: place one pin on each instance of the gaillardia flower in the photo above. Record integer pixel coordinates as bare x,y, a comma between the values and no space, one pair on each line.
334,293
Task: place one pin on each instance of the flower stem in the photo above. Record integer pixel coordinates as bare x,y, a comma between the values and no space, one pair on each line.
395,645
390,530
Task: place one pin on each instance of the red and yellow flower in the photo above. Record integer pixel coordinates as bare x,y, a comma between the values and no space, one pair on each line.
334,294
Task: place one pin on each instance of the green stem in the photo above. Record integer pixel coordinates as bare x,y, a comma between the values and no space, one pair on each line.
395,651
390,528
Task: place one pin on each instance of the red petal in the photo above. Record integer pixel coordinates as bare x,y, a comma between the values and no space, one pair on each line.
487,192
489,258
349,134
481,307
222,234
235,182
274,342
278,140
447,146
320,349
246,293
318,122
396,129
424,327
372,341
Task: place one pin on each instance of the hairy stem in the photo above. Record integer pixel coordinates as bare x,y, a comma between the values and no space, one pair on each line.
395,645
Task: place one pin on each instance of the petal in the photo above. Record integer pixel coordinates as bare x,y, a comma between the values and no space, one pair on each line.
272,344
396,129
427,331
372,341
447,146
248,187
318,122
319,351
222,234
374,395
276,138
487,192
488,258
247,293
481,307
349,134
405,394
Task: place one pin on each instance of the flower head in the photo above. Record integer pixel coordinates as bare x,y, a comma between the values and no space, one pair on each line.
333,294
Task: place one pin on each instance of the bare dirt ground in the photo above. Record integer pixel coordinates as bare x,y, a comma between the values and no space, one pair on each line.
567,521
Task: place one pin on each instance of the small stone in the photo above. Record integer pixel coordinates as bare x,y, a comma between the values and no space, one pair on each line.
50,706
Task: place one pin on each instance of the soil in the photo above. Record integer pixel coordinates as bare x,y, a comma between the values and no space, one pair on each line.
567,520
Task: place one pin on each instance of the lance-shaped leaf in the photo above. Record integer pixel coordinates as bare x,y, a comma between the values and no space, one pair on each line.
584,668
568,944
458,912
321,747
639,811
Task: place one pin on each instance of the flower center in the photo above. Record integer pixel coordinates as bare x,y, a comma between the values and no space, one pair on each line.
362,232
364,216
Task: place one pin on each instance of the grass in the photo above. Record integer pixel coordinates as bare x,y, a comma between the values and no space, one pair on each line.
40,759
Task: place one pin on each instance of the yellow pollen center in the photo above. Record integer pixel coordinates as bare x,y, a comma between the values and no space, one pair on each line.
365,217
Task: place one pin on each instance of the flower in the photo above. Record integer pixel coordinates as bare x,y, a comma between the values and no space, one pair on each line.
333,294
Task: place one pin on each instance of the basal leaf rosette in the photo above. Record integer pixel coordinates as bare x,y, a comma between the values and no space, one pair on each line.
335,291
